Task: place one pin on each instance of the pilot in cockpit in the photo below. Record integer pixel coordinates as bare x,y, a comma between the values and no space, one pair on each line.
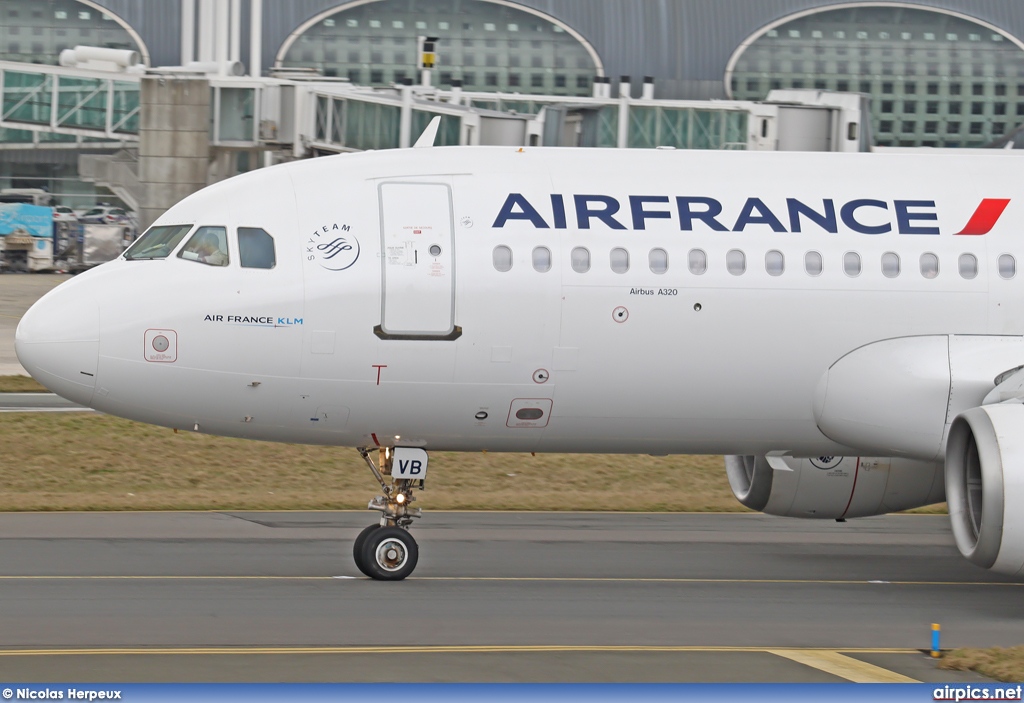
205,247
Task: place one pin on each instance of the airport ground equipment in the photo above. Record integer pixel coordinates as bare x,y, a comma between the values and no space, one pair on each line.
25,253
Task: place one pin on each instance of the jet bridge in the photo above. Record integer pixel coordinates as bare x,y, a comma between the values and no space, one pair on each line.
60,104
177,129
310,114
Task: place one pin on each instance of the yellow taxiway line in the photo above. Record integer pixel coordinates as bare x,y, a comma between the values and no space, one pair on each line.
436,649
831,661
838,664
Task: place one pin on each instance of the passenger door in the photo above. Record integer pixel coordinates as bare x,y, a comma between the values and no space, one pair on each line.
417,262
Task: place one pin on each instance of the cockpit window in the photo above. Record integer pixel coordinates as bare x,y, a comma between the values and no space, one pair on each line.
157,242
256,248
209,245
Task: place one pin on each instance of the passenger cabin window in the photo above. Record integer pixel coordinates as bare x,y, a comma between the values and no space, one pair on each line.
736,262
502,257
813,263
157,242
929,265
697,261
209,245
542,259
580,260
1007,266
658,260
620,260
890,264
774,263
851,263
256,249
968,266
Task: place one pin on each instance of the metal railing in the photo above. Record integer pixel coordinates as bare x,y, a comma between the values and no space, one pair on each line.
118,173
69,102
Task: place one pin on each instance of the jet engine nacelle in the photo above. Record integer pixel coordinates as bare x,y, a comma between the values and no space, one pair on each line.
985,486
833,486
896,397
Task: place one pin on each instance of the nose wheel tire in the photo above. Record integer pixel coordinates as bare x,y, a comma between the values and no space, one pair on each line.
357,547
389,553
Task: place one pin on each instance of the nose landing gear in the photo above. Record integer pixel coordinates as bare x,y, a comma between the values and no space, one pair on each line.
386,551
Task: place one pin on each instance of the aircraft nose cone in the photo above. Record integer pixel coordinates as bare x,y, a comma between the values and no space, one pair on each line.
58,342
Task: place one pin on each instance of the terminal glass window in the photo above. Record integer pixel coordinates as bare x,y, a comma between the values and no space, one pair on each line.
378,40
34,31
908,60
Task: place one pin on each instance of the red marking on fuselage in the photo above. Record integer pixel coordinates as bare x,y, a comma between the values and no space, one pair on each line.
986,216
374,435
379,367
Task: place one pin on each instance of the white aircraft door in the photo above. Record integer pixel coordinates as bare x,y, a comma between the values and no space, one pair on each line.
417,262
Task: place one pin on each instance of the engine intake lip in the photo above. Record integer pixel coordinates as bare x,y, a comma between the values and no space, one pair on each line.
974,487
750,478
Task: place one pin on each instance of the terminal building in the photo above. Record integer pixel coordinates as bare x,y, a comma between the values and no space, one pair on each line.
298,78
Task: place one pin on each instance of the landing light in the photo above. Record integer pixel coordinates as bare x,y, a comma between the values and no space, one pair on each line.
400,498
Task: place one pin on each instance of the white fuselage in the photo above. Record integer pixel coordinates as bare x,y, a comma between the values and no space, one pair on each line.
386,339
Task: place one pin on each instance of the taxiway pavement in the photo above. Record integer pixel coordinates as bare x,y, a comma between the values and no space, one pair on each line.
497,597
37,402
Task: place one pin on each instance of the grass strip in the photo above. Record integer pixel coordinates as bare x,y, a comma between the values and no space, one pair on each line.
72,461
1000,663
21,384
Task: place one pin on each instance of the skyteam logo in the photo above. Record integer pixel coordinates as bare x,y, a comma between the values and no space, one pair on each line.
334,247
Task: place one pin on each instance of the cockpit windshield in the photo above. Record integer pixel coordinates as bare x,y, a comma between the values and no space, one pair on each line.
157,242
209,245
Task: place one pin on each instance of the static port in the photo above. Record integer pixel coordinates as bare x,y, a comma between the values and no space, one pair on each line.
481,415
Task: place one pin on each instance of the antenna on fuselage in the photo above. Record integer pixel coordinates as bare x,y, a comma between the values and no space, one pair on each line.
429,134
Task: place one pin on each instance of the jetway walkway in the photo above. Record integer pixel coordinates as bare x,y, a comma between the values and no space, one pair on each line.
177,129
67,105
309,115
